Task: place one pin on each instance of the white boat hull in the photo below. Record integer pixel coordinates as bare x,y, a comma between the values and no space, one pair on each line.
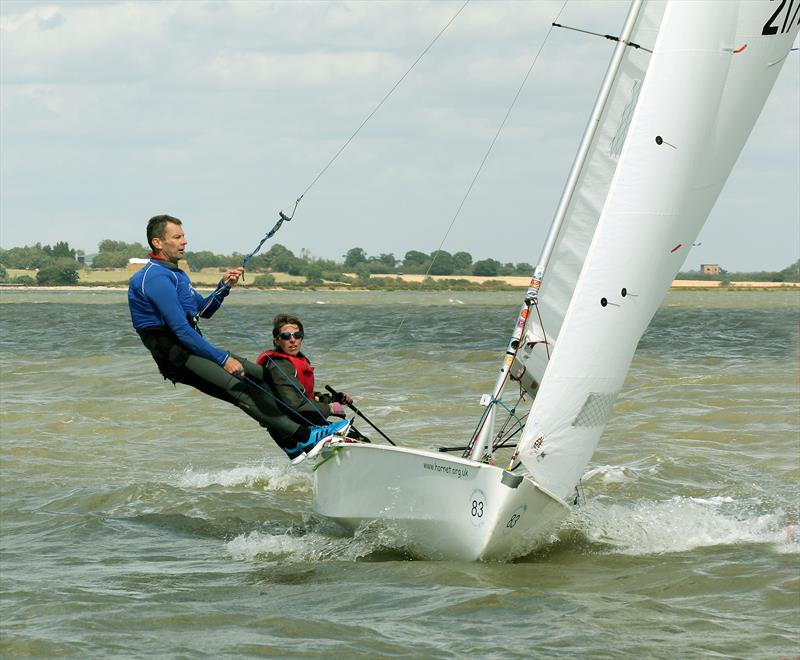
436,506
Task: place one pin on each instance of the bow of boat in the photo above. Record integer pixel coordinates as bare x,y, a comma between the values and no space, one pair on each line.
435,505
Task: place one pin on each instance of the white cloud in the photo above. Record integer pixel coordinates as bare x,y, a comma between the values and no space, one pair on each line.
224,112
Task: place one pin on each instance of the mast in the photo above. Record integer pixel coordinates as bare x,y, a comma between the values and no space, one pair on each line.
588,136
480,446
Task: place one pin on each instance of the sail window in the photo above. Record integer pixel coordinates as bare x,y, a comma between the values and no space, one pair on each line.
596,409
622,130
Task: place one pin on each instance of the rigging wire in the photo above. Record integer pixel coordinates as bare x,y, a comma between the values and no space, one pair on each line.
502,443
488,152
511,419
276,364
282,217
277,400
381,102
610,37
259,342
544,332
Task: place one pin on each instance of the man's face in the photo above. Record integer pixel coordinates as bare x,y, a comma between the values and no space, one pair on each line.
173,245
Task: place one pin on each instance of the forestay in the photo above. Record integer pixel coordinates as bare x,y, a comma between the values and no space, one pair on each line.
655,170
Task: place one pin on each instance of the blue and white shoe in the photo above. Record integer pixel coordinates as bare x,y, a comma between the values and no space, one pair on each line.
317,439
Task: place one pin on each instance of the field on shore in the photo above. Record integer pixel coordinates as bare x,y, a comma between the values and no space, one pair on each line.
211,276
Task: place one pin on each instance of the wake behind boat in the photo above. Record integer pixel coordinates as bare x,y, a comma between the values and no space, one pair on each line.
686,83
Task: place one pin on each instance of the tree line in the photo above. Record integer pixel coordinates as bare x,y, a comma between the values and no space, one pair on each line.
60,264
278,258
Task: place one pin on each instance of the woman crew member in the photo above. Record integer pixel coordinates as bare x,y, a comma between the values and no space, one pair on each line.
291,377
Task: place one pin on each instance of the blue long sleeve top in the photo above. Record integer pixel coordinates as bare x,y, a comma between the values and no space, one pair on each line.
161,295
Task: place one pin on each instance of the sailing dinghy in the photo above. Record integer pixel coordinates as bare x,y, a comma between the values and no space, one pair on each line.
686,83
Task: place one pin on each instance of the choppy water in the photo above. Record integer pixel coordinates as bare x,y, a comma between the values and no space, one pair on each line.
139,520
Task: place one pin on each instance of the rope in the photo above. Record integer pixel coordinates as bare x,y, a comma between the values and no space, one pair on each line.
276,363
257,385
273,231
284,218
258,343
486,155
383,100
512,414
499,441
544,332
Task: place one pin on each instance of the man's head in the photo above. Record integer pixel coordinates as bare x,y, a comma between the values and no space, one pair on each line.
166,238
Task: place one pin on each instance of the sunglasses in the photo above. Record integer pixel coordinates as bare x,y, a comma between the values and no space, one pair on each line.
286,336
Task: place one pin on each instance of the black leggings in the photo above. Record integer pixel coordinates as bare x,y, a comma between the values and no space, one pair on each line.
251,394
251,397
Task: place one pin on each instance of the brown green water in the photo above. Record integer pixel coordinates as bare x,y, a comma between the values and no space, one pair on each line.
141,520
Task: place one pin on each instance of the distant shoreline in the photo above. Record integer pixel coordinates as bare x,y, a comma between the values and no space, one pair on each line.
511,282
208,278
731,286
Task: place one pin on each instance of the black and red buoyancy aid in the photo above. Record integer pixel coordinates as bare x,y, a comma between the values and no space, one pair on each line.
305,372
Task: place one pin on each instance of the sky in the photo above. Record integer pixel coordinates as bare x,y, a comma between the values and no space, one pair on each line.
224,113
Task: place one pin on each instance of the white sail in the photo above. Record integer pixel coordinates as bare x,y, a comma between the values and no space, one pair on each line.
712,67
583,206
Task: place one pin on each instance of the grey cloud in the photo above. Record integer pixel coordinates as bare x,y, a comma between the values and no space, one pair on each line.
218,108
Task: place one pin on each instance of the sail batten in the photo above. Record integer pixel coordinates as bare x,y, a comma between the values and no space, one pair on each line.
653,179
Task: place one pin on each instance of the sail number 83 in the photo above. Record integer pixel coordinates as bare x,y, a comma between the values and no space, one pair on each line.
477,507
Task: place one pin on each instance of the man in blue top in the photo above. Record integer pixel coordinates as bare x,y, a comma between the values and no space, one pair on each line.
165,309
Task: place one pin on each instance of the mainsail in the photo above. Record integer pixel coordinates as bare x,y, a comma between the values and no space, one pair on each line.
583,201
668,140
